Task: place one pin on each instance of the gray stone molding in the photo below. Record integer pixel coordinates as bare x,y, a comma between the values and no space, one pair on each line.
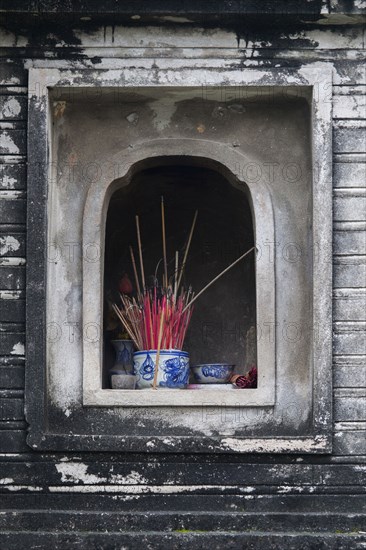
225,160
101,425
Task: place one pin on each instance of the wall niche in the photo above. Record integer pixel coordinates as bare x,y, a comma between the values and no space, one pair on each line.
223,327
251,150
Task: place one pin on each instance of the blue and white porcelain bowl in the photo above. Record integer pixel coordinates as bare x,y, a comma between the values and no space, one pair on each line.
173,370
212,373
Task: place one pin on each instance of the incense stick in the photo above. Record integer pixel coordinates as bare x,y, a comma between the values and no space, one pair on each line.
187,248
176,275
135,271
127,327
218,277
140,252
158,350
165,283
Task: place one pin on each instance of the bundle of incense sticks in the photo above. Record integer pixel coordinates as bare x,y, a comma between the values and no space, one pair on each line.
157,319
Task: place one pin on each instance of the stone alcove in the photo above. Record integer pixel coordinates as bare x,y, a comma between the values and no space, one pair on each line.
245,204
223,326
266,133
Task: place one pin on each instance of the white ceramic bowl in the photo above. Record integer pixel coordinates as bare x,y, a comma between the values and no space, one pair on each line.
212,373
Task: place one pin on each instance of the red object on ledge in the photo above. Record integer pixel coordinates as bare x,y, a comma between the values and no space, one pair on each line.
245,381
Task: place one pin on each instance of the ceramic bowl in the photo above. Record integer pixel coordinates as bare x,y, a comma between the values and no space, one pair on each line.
212,373
173,370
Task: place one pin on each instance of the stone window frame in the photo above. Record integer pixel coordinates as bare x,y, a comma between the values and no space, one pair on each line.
225,160
40,435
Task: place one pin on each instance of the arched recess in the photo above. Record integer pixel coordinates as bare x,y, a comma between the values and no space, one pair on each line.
226,161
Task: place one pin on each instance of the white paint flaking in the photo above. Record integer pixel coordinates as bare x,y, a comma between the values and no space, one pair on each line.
9,194
8,244
18,349
134,478
140,489
8,144
12,261
77,472
168,441
268,445
10,294
6,481
9,182
11,108
10,455
247,489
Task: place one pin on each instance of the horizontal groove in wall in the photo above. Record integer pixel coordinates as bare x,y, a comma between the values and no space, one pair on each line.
12,261
350,426
349,158
350,259
349,292
11,327
349,325
350,124
12,361
349,192
343,89
8,393
13,90
349,226
12,294
14,125
11,425
350,392
13,159
350,359
11,194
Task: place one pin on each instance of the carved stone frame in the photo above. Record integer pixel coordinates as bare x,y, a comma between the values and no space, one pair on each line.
48,427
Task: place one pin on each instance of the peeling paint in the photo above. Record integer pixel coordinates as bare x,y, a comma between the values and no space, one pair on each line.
8,244
268,445
12,261
8,145
9,182
18,349
142,489
10,294
76,472
11,108
6,481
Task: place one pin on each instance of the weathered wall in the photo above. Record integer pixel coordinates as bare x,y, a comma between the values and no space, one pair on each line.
89,498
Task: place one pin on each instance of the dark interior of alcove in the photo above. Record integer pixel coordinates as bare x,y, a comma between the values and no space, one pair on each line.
223,327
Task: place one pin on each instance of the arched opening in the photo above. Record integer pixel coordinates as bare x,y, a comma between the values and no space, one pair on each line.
223,327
